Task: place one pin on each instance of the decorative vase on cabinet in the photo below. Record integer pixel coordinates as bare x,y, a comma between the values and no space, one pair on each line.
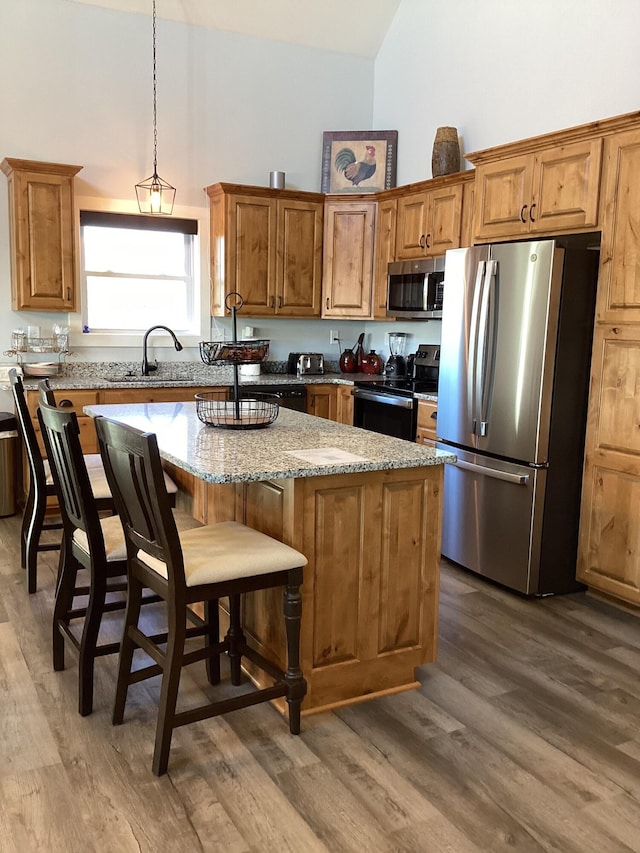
445,158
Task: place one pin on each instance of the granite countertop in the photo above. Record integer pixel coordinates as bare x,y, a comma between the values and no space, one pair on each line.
235,456
197,380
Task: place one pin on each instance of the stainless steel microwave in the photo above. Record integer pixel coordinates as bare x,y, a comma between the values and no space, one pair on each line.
415,289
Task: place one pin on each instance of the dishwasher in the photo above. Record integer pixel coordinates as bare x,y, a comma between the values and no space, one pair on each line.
289,396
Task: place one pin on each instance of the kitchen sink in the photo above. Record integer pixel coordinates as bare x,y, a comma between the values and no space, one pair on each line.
148,380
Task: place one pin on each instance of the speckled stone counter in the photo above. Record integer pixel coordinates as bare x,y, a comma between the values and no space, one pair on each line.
369,527
234,456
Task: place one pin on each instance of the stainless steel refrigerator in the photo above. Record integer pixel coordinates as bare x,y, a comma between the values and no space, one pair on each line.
512,396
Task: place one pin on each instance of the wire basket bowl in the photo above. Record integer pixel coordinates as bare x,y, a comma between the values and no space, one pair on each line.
255,412
242,352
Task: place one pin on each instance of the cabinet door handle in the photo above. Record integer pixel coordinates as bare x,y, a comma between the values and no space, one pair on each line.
426,241
65,404
272,302
421,241
531,209
279,301
327,302
522,213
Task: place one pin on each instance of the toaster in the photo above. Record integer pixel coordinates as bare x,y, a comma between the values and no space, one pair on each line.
303,363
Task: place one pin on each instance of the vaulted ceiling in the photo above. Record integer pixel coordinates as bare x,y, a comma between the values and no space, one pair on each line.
356,27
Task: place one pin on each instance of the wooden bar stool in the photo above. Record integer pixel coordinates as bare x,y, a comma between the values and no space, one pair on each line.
41,486
203,564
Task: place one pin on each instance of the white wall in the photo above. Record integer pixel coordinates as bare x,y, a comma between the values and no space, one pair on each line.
77,89
502,70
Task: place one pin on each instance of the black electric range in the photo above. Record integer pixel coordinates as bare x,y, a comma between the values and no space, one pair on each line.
388,406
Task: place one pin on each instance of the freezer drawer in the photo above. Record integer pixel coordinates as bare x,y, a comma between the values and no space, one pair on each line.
492,518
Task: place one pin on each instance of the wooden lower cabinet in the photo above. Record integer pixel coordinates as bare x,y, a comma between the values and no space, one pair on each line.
426,428
321,401
344,404
609,548
370,591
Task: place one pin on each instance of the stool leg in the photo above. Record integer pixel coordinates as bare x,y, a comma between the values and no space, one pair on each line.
296,685
68,572
24,529
89,641
212,616
169,692
127,648
34,531
235,639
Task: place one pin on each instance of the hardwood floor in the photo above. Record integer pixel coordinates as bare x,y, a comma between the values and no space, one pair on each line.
525,736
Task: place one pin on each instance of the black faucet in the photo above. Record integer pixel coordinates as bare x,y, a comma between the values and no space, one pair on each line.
146,367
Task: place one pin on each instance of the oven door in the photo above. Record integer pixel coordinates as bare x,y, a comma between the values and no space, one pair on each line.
389,414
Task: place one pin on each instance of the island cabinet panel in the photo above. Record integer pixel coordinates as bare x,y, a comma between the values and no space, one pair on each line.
539,192
370,588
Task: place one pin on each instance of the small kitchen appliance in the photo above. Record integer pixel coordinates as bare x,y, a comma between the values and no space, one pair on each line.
396,365
305,363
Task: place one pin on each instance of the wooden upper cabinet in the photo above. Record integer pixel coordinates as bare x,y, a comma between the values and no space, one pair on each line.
349,229
540,192
385,253
266,245
429,222
42,235
619,284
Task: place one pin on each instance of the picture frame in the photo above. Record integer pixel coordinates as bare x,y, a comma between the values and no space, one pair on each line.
347,157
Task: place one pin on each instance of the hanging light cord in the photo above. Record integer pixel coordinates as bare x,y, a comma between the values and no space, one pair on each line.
155,108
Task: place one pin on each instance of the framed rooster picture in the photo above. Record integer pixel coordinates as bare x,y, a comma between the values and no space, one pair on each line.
358,161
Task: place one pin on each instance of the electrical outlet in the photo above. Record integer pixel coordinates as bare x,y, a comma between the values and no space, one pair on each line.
334,336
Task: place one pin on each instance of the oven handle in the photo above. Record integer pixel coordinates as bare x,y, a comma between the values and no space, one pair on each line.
386,399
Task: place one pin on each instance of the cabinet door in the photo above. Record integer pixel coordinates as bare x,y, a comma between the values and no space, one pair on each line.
444,220
385,253
619,283
566,187
502,197
426,426
609,546
348,259
412,226
344,405
42,234
321,401
299,259
250,261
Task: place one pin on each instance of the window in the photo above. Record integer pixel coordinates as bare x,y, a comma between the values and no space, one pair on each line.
137,271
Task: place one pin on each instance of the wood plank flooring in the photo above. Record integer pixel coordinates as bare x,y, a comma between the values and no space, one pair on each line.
524,736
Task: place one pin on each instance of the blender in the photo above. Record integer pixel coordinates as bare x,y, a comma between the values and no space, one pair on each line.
396,365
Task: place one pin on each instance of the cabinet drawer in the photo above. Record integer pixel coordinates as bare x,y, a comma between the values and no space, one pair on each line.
65,399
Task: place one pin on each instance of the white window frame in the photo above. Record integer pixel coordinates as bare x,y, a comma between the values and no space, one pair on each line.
201,290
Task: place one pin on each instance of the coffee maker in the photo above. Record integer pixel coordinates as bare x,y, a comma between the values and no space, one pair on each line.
396,366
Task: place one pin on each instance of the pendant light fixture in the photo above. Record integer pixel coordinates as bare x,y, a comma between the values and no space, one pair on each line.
155,195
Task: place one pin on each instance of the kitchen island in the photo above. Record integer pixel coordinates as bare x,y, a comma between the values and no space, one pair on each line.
364,508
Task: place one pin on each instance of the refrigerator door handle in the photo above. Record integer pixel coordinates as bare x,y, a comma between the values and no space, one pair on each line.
473,346
518,479
484,366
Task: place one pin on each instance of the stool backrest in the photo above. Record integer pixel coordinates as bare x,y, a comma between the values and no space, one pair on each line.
134,472
27,430
61,435
45,392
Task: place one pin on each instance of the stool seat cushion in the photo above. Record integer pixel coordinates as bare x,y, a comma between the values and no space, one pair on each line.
98,480
114,544
228,550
